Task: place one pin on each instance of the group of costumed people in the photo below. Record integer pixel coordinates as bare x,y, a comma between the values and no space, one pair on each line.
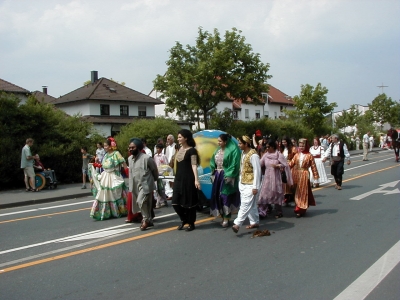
113,198
250,182
244,181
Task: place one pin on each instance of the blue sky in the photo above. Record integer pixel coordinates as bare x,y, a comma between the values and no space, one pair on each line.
350,46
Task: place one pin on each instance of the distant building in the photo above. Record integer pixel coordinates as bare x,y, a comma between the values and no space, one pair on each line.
43,96
107,104
352,130
16,90
272,106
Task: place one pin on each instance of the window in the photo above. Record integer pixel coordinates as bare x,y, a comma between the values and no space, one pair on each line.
246,113
124,110
276,115
281,108
266,114
257,114
142,111
235,114
104,110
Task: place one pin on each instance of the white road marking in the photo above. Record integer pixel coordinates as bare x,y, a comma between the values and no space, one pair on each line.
44,208
364,284
87,235
380,190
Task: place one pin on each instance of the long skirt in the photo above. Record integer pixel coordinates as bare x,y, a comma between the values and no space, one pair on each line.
221,204
110,194
321,171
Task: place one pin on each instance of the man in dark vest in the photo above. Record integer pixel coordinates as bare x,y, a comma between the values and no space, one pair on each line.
395,142
337,151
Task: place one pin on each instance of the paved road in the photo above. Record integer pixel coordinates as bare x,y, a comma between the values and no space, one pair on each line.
341,249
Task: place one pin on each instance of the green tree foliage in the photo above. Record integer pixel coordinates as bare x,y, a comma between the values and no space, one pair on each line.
222,120
348,118
199,77
58,139
151,130
311,108
383,110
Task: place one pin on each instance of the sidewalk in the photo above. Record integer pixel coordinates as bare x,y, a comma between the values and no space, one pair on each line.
15,198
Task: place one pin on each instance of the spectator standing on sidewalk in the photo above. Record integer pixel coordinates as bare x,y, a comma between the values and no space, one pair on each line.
365,146
86,157
170,153
371,142
27,165
357,142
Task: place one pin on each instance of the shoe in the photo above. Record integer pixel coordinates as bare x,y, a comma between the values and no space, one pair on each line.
251,226
158,206
180,227
278,216
298,216
190,227
225,224
83,187
128,221
317,185
235,228
34,190
144,225
339,188
28,190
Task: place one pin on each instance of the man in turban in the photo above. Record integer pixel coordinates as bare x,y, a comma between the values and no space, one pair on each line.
143,174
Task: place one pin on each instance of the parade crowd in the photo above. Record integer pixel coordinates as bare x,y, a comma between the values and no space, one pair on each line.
250,176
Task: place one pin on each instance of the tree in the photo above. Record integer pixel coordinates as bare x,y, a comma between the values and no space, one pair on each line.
58,138
311,107
215,69
222,120
151,130
348,118
383,110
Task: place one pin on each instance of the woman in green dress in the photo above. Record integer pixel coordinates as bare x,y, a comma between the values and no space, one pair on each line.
109,187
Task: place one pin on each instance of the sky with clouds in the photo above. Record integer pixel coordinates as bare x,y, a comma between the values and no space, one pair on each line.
349,46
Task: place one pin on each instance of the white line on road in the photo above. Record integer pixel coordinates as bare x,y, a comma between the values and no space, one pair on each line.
77,236
364,284
44,208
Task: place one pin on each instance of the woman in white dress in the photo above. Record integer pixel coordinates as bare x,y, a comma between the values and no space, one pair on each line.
317,151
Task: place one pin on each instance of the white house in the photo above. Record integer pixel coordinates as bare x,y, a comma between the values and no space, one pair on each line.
107,104
273,104
21,93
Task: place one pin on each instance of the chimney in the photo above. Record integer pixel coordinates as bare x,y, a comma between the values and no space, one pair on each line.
44,89
94,76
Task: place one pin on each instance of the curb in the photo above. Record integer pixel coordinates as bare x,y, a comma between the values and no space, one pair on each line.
39,201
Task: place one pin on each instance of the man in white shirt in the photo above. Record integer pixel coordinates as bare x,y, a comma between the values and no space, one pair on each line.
169,152
337,151
249,185
365,146
145,148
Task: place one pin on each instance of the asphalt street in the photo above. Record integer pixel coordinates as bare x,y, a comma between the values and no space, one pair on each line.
342,249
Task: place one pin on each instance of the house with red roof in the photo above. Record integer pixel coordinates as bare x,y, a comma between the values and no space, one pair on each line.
107,104
272,106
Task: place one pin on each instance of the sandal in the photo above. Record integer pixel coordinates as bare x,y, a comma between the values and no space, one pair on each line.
34,190
28,190
256,225
235,228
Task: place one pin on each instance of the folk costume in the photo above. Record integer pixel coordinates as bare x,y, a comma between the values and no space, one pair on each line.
317,153
225,167
108,188
288,188
249,179
143,174
337,152
272,189
185,197
304,197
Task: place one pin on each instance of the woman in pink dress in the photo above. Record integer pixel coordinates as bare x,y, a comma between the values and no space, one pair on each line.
272,191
